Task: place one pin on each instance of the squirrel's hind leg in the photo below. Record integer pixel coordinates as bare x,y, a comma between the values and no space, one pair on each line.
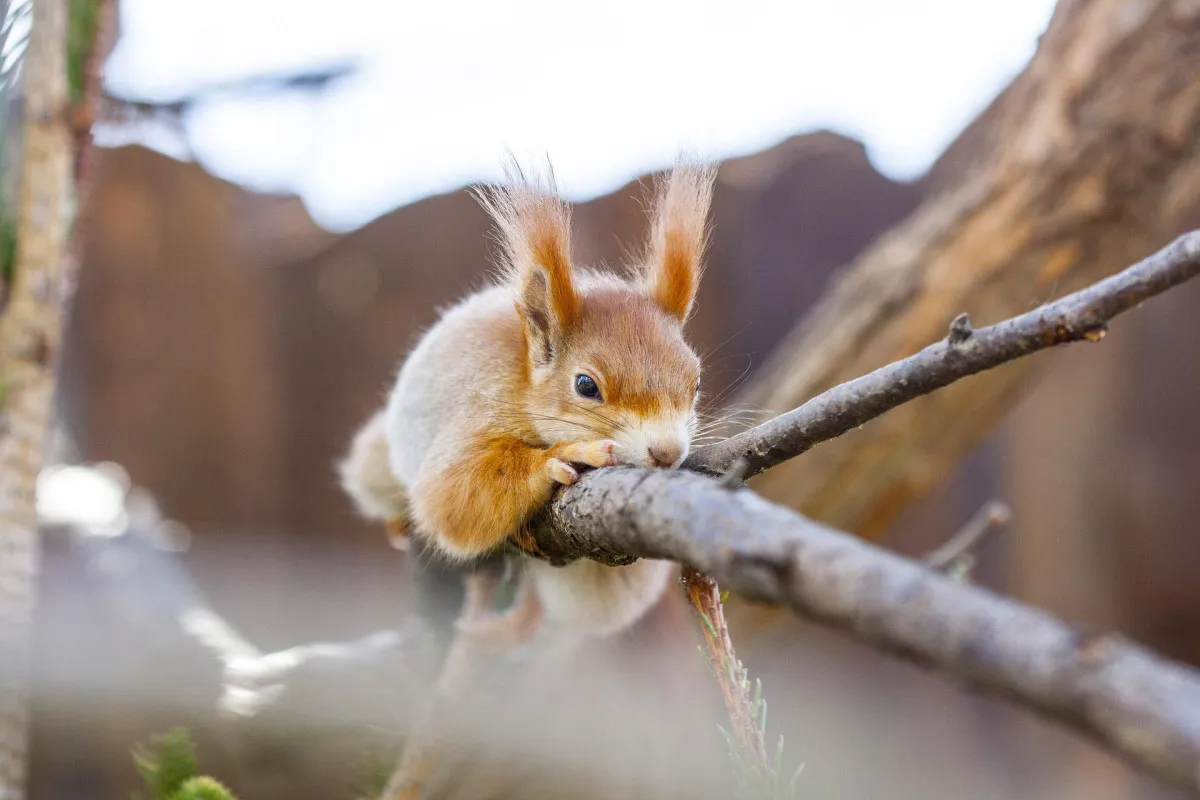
502,631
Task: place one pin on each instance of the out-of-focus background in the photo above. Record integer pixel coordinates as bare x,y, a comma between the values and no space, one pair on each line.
281,209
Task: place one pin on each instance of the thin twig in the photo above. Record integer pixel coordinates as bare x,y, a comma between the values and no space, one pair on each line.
1082,316
705,597
958,553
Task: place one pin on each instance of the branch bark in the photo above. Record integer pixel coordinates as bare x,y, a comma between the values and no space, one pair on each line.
1086,161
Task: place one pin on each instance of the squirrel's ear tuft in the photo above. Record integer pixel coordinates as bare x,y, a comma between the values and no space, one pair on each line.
678,237
534,227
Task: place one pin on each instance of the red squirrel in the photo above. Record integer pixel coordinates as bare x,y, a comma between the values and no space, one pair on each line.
552,369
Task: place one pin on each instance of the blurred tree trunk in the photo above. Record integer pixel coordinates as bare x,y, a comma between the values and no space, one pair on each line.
1088,161
29,337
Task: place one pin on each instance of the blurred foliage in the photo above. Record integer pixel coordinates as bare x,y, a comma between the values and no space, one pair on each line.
202,789
762,781
166,763
81,35
14,36
8,245
378,770
168,767
756,779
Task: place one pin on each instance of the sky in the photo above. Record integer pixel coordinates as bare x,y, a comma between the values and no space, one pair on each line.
607,91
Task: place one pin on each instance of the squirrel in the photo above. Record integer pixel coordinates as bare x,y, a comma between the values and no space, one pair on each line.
552,369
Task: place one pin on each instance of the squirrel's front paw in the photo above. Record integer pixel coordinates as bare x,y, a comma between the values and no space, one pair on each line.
561,471
600,453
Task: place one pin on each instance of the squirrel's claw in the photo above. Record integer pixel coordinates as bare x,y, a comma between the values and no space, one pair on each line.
600,453
561,471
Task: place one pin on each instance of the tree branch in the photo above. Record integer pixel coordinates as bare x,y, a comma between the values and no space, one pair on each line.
1081,316
705,597
1142,707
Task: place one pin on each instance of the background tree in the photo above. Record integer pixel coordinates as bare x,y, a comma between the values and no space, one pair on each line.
57,68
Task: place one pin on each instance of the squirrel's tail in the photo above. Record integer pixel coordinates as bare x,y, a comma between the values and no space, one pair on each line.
366,475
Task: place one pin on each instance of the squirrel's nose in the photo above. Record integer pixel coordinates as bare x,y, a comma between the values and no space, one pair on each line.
664,455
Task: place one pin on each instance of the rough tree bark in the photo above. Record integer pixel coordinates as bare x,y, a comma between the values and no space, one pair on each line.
1090,158
29,336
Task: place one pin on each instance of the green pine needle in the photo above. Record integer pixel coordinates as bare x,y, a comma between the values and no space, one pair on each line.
754,781
166,763
791,790
707,661
8,247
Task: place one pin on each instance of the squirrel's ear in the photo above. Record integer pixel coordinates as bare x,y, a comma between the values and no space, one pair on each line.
534,225
678,236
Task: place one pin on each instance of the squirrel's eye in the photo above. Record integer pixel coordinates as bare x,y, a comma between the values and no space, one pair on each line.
586,386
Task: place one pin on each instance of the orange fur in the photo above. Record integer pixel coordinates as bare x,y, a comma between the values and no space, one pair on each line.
486,417
678,237
535,234
478,500
636,352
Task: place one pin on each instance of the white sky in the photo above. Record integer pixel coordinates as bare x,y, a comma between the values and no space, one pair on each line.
606,89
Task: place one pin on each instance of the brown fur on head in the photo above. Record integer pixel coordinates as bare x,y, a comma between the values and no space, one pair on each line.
606,357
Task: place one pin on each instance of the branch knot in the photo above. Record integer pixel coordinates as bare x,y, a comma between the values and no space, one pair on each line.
960,330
